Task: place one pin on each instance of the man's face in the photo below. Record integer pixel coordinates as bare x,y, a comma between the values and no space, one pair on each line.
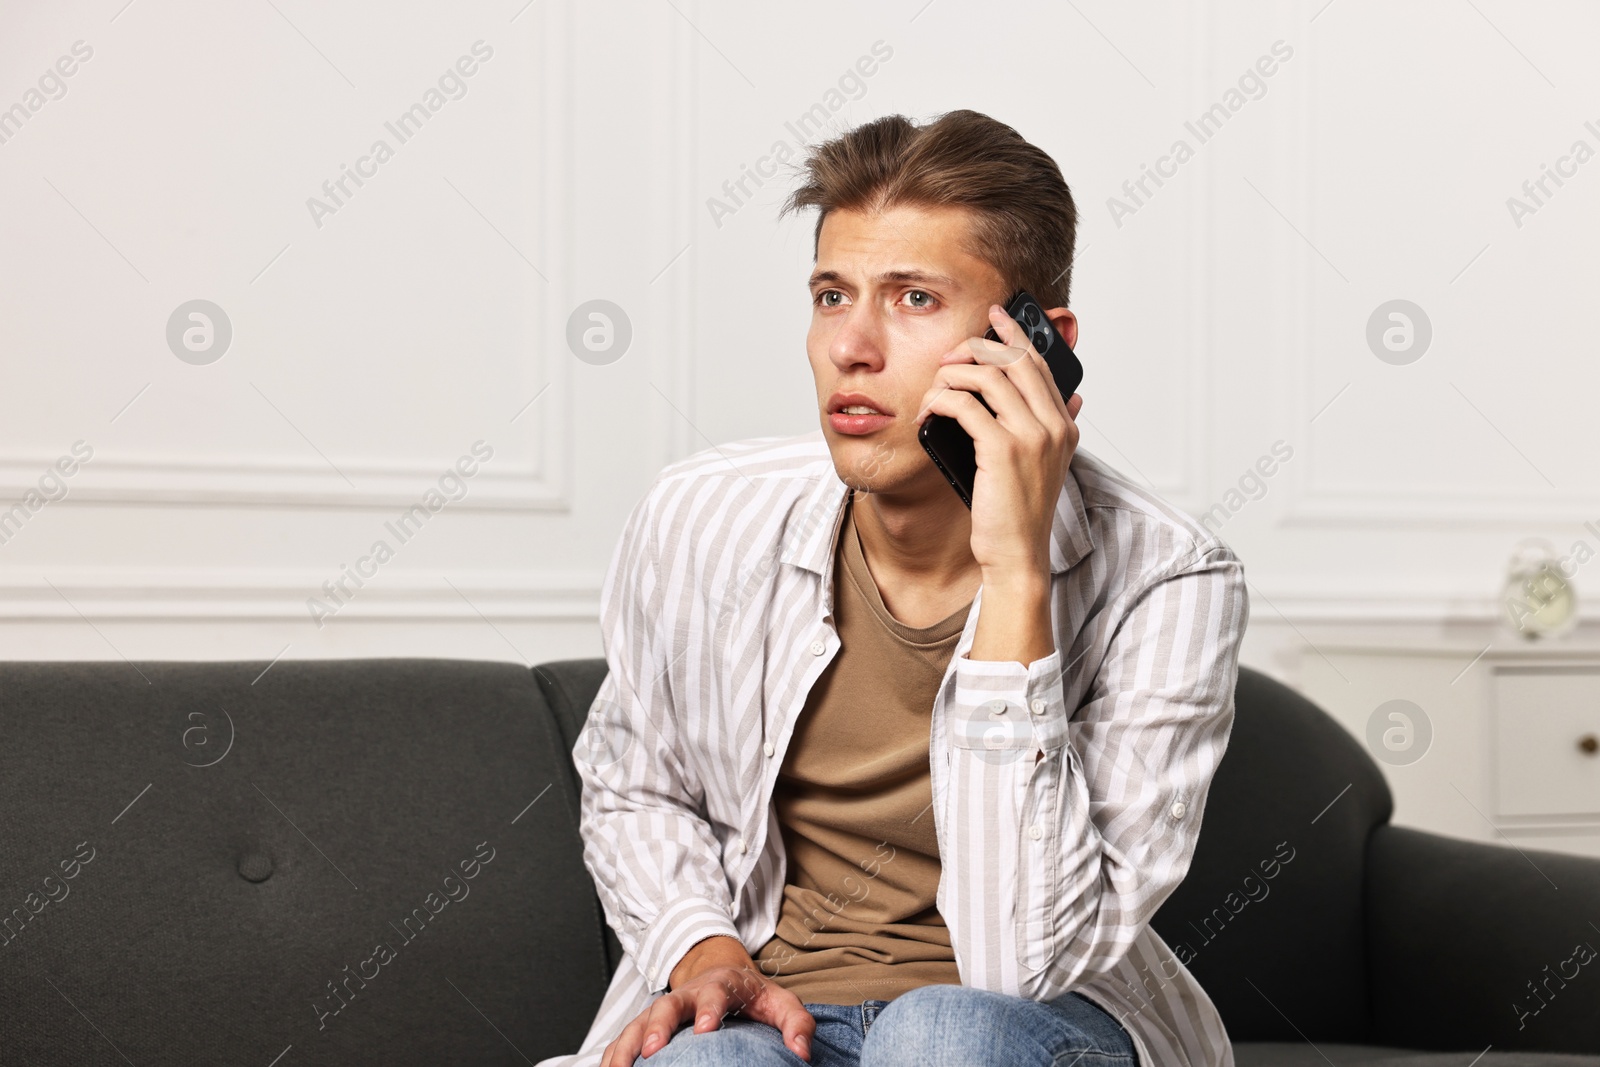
891,293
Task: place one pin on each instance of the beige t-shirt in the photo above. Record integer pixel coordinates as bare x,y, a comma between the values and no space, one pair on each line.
854,802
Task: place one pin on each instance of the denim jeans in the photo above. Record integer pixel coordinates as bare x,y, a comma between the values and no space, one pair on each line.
933,1024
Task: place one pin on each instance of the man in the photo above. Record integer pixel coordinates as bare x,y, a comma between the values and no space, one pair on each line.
887,780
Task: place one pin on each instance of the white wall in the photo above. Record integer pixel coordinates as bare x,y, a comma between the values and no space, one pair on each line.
1222,314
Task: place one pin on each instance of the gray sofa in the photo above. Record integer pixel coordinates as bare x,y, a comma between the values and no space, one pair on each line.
377,861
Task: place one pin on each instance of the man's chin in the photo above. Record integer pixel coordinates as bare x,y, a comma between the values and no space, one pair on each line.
873,464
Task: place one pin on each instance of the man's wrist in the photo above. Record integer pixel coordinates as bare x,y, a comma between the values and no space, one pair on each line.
718,950
1030,582
1014,622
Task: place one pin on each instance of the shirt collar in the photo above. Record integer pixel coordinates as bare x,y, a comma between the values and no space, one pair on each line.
822,510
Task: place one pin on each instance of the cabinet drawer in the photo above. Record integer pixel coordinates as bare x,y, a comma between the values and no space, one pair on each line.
1546,722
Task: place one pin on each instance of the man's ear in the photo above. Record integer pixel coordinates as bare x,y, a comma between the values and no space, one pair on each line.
1066,324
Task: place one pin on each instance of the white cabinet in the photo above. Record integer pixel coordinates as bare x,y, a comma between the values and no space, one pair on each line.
1547,741
1513,750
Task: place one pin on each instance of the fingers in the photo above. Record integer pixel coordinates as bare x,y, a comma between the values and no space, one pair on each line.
624,1049
799,1027
782,1009
1062,403
712,1005
659,1022
1034,416
998,391
708,1003
1032,375
1010,334
1021,386
965,408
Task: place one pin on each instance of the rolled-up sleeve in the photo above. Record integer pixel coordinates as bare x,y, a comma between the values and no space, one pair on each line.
655,862
1068,828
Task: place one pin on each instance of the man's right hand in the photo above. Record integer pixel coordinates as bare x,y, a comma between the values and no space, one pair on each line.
716,977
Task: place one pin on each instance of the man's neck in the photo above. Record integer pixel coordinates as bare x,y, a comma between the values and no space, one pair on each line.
919,552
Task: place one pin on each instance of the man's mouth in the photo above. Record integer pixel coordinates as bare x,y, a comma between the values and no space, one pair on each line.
856,414
852,403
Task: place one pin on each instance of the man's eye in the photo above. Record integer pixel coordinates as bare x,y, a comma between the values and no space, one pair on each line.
821,298
918,292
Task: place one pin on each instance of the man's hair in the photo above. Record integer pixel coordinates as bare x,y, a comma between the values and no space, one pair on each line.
1024,220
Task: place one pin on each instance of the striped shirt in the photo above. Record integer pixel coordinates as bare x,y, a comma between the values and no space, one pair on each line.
715,619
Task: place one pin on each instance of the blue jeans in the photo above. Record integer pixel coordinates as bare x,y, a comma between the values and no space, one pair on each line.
932,1024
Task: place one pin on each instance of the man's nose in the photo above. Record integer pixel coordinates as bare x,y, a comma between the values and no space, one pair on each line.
859,340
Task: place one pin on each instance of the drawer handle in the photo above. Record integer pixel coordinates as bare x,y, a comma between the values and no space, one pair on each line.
1589,743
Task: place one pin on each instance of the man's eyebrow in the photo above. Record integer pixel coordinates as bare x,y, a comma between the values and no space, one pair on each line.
915,277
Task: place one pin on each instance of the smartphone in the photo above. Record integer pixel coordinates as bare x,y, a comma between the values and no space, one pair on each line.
949,445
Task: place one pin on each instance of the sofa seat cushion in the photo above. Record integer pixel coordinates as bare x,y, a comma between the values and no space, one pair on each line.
1274,1054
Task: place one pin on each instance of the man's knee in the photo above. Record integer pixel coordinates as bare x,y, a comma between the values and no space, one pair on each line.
937,1001
959,1024
736,1043
916,1024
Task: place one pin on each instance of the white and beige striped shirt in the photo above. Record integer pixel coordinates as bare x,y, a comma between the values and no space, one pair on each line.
716,621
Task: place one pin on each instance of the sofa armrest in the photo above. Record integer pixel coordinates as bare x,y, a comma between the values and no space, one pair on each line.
1472,944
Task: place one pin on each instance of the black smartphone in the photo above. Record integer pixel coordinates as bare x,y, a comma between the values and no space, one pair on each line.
943,438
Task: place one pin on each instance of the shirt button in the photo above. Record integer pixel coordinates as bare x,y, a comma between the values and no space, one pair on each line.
768,749
652,977
742,846
996,707
1178,809
818,648
1037,706
1036,831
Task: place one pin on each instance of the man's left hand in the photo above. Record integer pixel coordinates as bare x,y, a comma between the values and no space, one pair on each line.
1022,450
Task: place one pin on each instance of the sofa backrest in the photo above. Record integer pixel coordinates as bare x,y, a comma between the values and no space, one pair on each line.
201,861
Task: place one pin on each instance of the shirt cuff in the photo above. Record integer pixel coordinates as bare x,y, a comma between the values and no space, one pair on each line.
1009,680
986,690
684,922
